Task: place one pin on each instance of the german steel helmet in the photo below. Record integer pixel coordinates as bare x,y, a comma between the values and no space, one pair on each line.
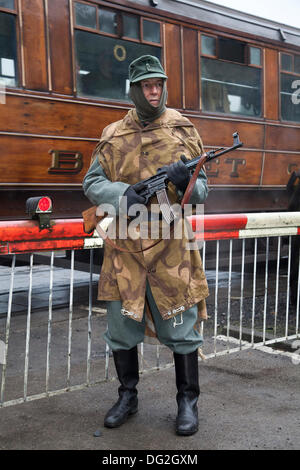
146,66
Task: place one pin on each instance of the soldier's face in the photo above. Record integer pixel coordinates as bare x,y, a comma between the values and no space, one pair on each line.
152,89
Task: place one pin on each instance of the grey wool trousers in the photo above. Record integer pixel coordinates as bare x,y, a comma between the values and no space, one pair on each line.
178,333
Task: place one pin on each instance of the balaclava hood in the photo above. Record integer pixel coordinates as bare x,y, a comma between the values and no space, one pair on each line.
145,111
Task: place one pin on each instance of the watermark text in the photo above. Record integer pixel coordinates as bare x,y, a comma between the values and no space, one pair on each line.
153,222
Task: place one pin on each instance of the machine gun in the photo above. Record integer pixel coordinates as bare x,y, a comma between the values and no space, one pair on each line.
158,184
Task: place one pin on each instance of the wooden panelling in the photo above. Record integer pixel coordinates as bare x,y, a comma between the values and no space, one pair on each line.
271,84
33,157
60,46
279,167
50,117
32,160
218,133
67,118
283,138
35,56
71,119
236,168
191,68
173,65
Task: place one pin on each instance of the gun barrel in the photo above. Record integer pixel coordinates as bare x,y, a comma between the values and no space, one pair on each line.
229,149
215,153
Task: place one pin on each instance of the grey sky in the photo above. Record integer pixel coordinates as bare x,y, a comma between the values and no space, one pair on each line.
287,11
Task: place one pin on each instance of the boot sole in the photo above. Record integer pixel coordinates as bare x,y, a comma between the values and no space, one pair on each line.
126,417
186,433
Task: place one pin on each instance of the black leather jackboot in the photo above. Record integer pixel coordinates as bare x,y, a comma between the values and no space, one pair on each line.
188,390
127,367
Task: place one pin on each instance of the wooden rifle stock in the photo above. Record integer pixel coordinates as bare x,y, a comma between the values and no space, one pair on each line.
207,157
193,180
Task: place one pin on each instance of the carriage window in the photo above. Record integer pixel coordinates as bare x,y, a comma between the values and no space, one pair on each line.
232,80
151,31
85,15
290,87
7,4
255,56
232,50
208,45
287,62
131,27
103,56
8,49
107,21
103,64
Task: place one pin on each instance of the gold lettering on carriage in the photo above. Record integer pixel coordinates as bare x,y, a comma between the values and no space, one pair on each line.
65,162
212,172
235,162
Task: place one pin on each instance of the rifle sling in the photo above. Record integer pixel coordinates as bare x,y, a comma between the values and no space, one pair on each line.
193,180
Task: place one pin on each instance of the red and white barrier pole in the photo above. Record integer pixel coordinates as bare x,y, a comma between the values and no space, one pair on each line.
233,226
26,236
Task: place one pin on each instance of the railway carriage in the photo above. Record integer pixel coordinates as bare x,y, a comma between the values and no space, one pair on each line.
63,78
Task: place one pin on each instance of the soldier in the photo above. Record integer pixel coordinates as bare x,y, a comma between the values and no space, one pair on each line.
164,281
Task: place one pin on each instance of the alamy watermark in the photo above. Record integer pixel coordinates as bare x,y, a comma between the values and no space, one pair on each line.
148,222
296,93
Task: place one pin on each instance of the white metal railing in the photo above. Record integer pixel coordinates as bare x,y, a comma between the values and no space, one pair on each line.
48,351
285,327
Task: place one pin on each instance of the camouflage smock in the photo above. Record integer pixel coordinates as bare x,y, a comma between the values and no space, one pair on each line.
128,153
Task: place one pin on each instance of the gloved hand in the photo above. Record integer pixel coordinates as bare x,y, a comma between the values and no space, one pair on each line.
179,174
132,195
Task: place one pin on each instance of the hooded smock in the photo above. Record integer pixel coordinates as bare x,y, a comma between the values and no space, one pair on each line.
127,153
